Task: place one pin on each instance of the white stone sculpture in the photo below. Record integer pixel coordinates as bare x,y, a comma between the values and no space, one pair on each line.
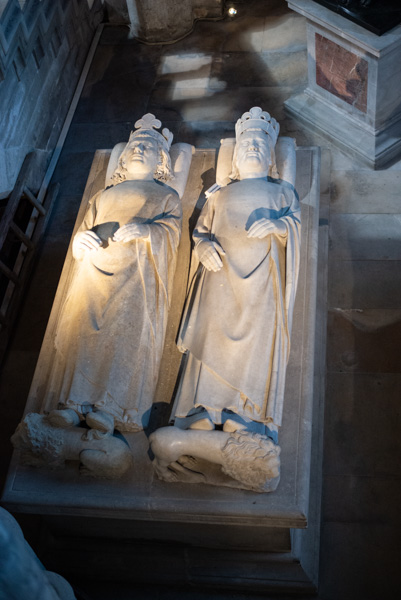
41,444
111,330
22,576
236,326
248,460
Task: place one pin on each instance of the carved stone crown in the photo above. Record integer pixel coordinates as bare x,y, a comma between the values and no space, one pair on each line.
147,125
256,118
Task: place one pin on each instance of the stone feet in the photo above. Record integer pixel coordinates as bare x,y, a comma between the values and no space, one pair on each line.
230,426
202,424
63,418
101,421
95,419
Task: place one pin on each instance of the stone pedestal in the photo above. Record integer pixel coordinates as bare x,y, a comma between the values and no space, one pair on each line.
140,529
354,85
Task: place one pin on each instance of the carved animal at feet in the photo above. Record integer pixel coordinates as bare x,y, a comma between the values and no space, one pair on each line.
43,445
247,460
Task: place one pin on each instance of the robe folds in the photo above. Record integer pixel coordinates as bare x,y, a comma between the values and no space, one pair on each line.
111,329
237,321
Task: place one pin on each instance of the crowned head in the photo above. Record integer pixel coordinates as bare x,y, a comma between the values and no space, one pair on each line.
146,155
256,135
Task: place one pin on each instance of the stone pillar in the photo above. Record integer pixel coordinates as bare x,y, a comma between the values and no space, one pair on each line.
354,85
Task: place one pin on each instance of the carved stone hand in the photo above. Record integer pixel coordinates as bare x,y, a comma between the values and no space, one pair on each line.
131,231
264,227
85,241
209,254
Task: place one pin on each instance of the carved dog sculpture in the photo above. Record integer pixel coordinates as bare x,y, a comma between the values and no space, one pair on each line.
100,455
248,460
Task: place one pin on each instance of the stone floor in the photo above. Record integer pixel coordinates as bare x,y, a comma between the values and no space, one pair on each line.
198,87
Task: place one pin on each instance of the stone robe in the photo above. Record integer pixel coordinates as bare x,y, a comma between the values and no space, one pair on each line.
111,330
237,322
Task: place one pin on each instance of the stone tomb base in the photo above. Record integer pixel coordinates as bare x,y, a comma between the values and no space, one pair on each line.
354,85
141,529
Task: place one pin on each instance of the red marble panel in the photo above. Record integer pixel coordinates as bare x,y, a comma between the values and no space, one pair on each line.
341,72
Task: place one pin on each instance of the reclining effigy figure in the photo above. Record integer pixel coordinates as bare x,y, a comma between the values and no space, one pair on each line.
110,336
111,328
236,326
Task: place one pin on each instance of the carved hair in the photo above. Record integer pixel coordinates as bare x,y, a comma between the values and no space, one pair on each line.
247,459
163,170
272,171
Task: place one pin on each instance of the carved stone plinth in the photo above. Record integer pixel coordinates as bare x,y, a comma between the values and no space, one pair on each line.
354,86
137,528
377,16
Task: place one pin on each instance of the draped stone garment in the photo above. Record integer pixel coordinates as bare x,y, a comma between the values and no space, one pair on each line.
237,321
111,330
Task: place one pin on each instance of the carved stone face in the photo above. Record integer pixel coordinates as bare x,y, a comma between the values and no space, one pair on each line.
253,154
141,157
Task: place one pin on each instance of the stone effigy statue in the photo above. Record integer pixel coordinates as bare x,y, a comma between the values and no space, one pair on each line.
22,575
236,327
111,330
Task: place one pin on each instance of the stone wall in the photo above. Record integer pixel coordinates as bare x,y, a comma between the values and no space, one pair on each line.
161,20
43,46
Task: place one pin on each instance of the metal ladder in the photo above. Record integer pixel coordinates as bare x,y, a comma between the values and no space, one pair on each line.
15,266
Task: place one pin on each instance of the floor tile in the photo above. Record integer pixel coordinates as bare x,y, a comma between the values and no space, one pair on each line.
365,237
362,421
31,327
244,33
115,35
266,69
359,562
395,166
113,63
206,134
62,219
16,376
285,32
72,171
119,83
174,105
89,137
368,499
364,284
184,71
364,341
342,161
365,192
